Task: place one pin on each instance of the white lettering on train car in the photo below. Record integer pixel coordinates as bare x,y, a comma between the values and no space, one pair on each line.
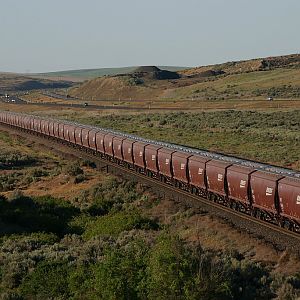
109,144
220,177
298,199
167,161
242,183
200,171
269,191
141,153
182,166
129,150
119,147
153,157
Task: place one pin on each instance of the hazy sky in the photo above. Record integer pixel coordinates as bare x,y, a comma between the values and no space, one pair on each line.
49,35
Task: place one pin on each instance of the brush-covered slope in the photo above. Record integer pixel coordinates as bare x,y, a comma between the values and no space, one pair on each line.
258,78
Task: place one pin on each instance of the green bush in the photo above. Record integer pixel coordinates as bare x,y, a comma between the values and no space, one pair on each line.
115,223
79,178
37,214
47,281
74,169
15,159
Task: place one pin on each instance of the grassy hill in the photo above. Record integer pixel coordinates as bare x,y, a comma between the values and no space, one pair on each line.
10,82
253,79
93,73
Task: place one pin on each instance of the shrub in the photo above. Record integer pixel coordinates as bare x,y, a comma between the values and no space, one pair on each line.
79,178
37,214
47,281
74,169
115,223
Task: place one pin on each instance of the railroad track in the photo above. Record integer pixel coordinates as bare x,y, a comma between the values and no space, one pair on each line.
279,237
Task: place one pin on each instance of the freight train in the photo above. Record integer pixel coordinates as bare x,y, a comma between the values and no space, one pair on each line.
263,191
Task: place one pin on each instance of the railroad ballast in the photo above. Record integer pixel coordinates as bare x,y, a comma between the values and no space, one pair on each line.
265,192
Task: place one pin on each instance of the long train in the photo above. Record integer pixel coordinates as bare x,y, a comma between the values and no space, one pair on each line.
266,192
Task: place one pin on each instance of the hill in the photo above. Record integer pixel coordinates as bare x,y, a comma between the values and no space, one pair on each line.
256,78
10,82
93,73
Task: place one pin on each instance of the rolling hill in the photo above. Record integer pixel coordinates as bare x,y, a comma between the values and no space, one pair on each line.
257,78
80,75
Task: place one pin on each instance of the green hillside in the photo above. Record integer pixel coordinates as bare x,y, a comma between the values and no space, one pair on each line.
93,73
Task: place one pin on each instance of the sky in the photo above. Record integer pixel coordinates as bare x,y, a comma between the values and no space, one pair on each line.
51,35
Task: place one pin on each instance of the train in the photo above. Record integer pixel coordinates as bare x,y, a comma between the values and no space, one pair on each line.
266,192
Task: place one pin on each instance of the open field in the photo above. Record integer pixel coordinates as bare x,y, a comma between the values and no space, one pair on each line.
267,137
114,238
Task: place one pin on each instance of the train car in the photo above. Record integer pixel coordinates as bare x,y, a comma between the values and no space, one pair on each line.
16,121
85,136
164,161
69,133
36,124
128,151
2,114
55,128
118,148
51,128
92,139
197,174
238,180
43,129
47,127
151,153
216,180
180,168
139,156
20,121
61,131
264,191
32,124
108,145
11,119
78,135
289,201
100,142
27,122
8,119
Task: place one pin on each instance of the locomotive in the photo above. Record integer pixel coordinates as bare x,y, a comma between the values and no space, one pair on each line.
263,191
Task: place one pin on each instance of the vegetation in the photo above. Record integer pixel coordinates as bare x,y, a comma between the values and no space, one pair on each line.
15,159
93,73
108,249
241,80
271,137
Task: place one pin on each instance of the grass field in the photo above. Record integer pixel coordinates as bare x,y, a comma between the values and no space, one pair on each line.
270,137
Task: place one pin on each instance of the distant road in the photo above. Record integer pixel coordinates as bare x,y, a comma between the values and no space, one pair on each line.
20,101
